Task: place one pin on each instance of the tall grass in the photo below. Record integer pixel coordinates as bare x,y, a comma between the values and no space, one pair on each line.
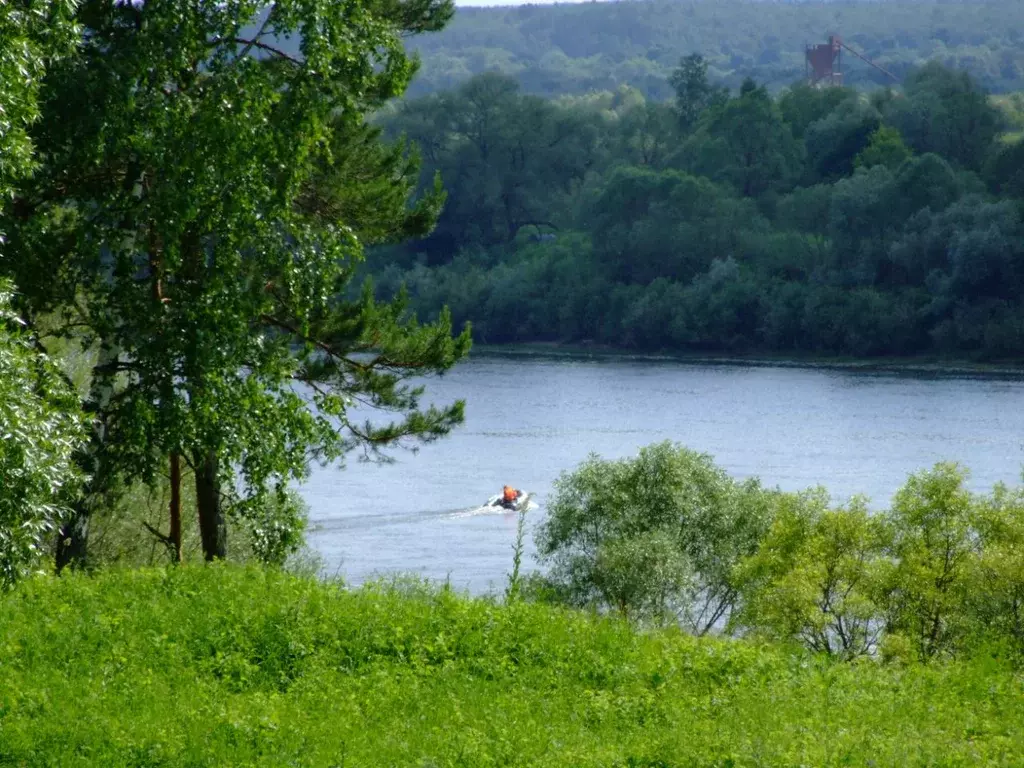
228,665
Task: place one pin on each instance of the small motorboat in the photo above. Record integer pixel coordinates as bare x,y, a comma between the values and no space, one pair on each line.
521,502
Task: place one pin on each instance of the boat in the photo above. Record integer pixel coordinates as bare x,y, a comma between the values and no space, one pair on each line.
521,503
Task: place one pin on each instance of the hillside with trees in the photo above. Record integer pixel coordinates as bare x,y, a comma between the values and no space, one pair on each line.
815,221
577,48
185,209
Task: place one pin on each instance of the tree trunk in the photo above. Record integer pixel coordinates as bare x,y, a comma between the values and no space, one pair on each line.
72,540
73,535
212,526
175,534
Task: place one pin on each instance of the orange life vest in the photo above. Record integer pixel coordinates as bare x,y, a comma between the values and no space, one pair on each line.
510,493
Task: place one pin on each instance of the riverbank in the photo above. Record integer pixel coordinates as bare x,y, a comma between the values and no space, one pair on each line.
234,666
921,364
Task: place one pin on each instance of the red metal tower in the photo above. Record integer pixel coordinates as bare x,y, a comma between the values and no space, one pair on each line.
823,63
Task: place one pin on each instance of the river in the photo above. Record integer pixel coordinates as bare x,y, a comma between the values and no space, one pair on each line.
530,418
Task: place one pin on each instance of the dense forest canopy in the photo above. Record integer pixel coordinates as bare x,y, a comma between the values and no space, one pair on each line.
815,221
576,48
653,175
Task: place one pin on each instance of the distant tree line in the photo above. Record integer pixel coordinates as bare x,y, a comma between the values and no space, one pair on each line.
820,221
578,48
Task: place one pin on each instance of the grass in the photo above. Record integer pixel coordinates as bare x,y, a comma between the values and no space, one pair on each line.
233,666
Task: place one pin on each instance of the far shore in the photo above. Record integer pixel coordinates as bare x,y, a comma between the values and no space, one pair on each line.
918,364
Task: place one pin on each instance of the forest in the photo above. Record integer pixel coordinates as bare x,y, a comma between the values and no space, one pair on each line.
578,48
815,221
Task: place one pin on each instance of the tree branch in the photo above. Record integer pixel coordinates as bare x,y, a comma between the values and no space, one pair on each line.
167,541
257,36
254,43
321,345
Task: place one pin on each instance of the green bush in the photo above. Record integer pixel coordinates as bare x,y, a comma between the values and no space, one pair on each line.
816,577
654,538
668,538
40,430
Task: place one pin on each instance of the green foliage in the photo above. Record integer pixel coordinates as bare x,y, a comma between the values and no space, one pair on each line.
812,223
204,200
654,538
970,252
885,147
934,544
40,430
755,151
577,48
816,577
230,666
803,105
1012,108
277,527
129,532
694,94
668,538
1005,170
945,112
647,134
648,224
507,160
835,141
995,588
33,34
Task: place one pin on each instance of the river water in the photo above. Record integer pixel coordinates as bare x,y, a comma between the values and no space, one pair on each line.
530,418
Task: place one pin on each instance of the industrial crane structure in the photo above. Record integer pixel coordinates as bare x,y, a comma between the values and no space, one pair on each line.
824,63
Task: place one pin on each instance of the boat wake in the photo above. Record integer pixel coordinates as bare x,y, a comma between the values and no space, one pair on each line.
492,507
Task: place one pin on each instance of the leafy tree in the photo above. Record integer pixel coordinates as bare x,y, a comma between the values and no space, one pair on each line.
758,152
935,547
508,160
695,94
639,576
802,105
647,134
834,141
971,249
816,577
32,33
174,222
652,537
995,594
648,224
40,421
723,307
805,209
885,147
277,528
927,181
41,427
946,112
1005,170
863,220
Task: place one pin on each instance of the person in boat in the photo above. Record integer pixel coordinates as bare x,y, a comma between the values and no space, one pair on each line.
509,496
